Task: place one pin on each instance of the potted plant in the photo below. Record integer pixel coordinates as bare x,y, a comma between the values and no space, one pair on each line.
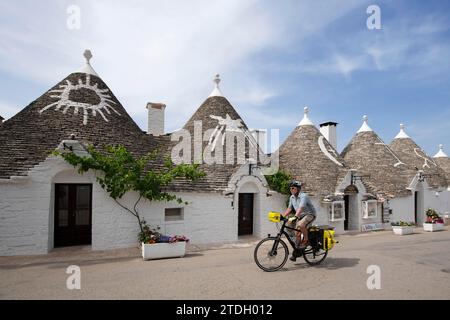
403,228
156,245
434,222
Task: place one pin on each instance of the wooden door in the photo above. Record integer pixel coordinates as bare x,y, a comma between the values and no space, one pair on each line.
245,226
73,214
347,208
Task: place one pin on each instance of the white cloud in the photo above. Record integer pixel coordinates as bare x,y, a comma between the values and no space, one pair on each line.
145,51
163,51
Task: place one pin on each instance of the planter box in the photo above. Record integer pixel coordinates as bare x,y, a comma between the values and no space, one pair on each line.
163,250
433,227
401,231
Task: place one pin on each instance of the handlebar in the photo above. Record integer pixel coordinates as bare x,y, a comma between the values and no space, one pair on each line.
287,219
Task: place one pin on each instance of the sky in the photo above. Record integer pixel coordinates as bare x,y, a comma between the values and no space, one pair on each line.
274,58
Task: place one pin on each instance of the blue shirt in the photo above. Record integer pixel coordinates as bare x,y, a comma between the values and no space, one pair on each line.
304,202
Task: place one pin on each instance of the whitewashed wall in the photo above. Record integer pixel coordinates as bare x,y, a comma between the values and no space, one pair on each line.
27,217
26,213
402,209
440,201
25,224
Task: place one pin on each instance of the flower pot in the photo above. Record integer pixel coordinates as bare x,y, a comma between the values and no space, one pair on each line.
431,227
401,231
163,250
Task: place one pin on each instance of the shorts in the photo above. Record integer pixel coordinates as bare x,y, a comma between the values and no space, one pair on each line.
305,221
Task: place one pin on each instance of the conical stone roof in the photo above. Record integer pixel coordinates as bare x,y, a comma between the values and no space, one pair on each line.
411,154
81,105
209,126
310,158
443,161
370,156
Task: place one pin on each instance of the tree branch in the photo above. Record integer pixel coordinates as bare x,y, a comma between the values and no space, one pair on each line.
134,208
125,208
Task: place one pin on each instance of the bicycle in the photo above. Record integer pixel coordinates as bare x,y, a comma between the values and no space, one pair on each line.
271,253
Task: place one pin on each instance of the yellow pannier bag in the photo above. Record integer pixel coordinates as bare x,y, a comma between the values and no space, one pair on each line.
274,216
328,239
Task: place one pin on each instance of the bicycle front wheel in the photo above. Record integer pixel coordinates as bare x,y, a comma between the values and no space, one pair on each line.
271,254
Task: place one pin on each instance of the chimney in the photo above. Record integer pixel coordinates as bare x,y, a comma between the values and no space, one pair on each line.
260,136
156,118
328,130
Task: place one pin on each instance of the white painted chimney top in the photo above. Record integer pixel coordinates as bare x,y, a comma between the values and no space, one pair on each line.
156,118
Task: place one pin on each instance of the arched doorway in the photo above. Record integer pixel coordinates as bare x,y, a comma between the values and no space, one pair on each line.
351,208
248,197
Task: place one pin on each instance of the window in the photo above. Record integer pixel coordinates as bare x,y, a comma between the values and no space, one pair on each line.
337,211
174,214
370,209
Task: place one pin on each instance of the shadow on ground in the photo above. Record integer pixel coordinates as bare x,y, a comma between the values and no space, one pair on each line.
64,263
328,264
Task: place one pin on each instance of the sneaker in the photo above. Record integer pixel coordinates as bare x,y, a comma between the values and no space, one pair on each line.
293,258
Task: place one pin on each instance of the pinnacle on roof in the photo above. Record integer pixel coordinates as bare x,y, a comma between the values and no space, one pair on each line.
216,91
402,134
87,68
306,121
365,126
441,153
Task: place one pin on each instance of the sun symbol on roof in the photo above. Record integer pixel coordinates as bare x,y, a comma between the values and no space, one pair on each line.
65,102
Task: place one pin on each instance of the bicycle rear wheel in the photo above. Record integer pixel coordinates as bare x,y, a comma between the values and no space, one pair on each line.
313,256
271,254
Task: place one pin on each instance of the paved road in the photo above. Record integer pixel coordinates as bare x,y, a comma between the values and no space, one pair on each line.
412,267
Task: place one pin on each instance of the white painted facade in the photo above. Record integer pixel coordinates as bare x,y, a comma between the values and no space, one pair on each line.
27,215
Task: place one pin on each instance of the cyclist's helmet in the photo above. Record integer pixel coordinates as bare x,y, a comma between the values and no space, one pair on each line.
296,184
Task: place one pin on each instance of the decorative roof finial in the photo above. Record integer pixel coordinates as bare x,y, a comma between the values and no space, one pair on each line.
216,92
402,134
88,55
441,153
217,80
306,121
87,68
365,126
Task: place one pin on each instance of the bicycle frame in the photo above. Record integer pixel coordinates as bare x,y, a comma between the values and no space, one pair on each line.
288,237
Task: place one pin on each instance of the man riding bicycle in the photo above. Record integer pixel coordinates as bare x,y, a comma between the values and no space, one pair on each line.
304,214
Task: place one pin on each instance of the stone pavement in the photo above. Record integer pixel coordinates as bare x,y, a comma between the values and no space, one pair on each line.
412,267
